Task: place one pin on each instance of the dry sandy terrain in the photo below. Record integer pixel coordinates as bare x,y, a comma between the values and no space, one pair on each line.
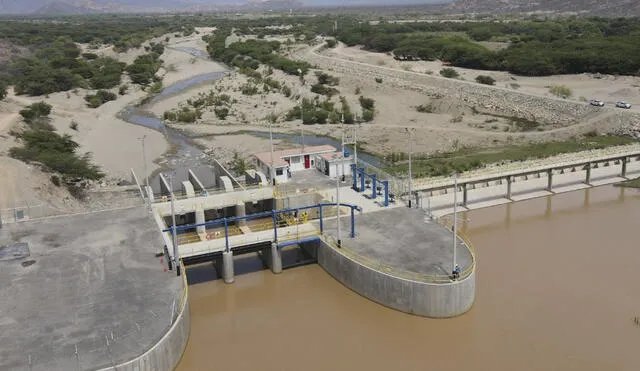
449,125
608,88
113,142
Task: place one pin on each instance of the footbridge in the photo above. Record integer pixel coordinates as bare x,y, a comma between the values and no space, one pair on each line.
464,184
270,230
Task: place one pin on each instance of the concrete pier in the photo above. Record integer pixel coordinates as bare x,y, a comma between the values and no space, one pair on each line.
275,256
227,267
240,212
403,261
200,219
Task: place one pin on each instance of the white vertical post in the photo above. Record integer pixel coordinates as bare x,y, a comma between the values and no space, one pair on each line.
338,202
176,258
146,173
455,220
273,172
355,146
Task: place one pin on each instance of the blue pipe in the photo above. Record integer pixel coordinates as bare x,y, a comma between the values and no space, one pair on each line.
296,242
256,216
386,192
362,174
355,177
373,187
321,222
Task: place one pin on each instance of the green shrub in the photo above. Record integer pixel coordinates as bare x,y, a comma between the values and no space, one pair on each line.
249,89
379,80
449,73
425,108
366,103
35,111
367,115
221,112
55,152
99,98
561,91
484,79
123,89
3,90
73,125
326,79
324,90
55,180
330,43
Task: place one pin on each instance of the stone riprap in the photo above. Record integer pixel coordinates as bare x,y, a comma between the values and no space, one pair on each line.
483,98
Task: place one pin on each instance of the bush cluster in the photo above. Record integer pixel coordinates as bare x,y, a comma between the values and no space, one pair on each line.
99,98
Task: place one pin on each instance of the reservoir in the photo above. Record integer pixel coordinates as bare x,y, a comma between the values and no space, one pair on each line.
557,290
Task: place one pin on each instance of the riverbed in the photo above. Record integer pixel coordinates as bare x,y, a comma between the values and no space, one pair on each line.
557,284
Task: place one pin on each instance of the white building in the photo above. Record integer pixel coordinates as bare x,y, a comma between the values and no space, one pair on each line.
333,164
289,161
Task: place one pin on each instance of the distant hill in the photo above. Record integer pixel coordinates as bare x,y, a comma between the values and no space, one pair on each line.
60,8
595,7
50,7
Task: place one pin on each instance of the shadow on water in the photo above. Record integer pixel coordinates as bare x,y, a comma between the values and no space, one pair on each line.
243,264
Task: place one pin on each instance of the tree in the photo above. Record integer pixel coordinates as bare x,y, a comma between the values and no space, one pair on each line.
484,79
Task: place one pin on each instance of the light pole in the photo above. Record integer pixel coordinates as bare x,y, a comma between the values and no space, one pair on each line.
355,145
144,162
410,152
176,258
455,224
301,112
273,172
338,201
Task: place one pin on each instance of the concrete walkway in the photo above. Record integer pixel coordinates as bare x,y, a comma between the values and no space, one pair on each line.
494,194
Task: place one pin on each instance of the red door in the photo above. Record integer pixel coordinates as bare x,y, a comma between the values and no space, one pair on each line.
307,162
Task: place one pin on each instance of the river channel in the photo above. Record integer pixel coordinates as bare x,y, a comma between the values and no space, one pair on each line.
185,154
557,290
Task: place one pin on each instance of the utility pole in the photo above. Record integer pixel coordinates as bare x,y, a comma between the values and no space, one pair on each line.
355,145
410,175
273,172
338,202
301,112
176,258
144,162
455,223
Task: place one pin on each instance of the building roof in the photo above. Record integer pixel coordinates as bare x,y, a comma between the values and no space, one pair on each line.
331,157
279,156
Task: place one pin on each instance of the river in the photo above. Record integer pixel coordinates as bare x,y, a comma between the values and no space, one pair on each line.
556,291
185,154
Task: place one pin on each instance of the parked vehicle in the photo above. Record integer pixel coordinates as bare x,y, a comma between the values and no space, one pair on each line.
623,104
596,102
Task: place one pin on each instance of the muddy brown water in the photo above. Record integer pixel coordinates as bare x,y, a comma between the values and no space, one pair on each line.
558,289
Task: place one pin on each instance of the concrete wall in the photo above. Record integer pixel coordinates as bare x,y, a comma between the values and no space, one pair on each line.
419,298
166,353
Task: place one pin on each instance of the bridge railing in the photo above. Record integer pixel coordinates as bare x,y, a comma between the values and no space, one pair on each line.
541,165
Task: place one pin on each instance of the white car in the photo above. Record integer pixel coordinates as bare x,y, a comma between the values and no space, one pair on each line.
623,104
596,102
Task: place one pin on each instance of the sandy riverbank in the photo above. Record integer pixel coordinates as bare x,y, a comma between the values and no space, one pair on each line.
113,143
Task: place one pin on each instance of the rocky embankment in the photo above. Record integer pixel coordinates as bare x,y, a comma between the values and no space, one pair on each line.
487,99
